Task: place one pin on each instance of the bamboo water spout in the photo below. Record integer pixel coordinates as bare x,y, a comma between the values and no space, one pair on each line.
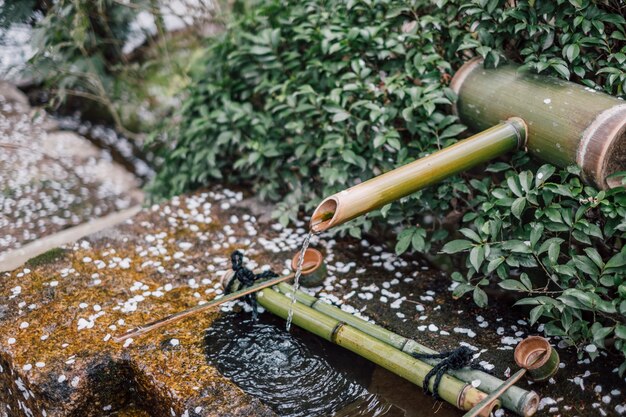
567,123
393,185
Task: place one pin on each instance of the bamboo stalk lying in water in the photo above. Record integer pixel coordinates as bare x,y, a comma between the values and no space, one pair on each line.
516,399
461,395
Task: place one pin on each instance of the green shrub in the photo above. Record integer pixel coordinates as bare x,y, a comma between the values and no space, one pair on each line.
578,39
302,99
79,53
78,48
567,238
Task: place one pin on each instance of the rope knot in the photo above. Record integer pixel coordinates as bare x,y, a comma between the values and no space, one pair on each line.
458,358
247,278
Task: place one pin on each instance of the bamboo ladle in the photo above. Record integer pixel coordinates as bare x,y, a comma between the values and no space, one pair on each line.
543,364
311,264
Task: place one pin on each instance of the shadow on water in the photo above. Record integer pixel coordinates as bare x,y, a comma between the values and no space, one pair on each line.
299,374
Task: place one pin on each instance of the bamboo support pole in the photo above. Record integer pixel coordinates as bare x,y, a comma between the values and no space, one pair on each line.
393,185
461,395
567,123
516,399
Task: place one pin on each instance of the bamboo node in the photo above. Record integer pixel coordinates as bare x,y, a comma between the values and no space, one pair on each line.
521,130
335,332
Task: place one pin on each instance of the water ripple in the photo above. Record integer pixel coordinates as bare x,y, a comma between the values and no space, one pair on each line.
279,369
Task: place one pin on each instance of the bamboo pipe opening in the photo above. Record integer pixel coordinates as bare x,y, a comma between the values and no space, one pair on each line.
325,214
487,410
602,149
491,408
419,174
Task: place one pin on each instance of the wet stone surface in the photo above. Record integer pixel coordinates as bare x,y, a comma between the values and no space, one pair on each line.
59,312
51,179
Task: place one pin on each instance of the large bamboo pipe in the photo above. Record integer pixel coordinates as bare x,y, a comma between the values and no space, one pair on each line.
561,122
516,399
461,395
567,123
393,185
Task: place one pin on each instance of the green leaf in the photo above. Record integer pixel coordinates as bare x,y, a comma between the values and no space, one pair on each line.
554,249
418,242
516,246
526,281
543,174
456,246
260,50
562,70
480,297
518,207
452,131
461,289
593,254
536,313
494,264
497,167
571,52
536,233
477,256
341,116
513,285
404,240
470,234
528,302
617,260
514,186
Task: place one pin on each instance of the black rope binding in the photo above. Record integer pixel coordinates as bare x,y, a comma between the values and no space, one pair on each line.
247,278
459,358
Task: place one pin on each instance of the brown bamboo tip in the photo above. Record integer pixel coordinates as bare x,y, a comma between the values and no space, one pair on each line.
325,215
459,78
312,261
531,404
532,352
602,149
490,408
470,397
226,278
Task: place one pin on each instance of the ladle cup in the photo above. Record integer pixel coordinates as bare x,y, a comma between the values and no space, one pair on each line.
534,355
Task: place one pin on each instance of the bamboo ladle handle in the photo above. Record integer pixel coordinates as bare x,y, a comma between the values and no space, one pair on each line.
307,268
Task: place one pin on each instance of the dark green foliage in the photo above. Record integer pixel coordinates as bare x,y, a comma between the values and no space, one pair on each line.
79,49
580,40
560,243
300,99
21,11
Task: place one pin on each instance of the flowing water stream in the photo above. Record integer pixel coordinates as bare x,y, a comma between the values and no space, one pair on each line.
296,280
